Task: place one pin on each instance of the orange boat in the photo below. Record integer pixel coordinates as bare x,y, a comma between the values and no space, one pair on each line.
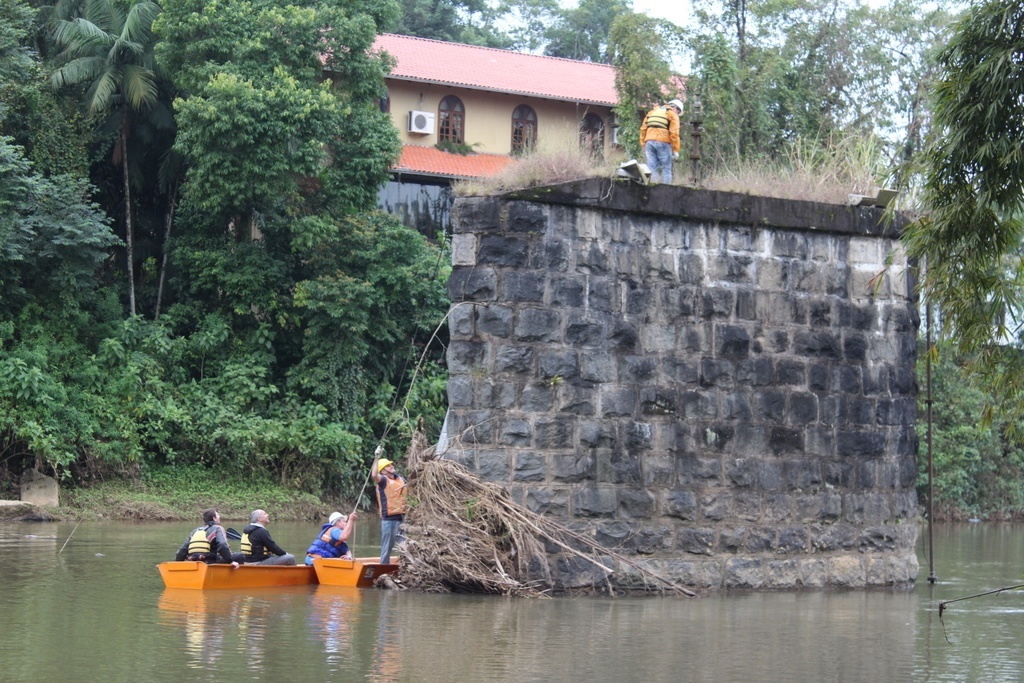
360,572
202,576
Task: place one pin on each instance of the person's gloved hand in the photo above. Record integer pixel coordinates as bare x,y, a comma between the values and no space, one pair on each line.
379,451
675,155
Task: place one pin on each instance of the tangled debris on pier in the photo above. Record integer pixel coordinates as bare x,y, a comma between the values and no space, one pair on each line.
467,535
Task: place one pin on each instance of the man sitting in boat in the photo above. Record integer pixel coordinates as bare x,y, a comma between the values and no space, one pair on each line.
332,541
258,546
208,543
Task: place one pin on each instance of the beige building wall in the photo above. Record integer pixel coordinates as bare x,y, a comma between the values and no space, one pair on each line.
488,116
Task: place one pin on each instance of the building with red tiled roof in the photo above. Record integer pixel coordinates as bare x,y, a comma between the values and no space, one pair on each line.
430,161
465,112
499,71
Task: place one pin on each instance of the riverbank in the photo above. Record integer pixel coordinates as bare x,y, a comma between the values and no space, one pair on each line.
180,494
176,495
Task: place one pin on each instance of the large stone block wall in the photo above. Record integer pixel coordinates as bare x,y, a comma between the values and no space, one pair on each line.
720,386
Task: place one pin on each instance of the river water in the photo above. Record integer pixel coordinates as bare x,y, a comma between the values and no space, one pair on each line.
93,608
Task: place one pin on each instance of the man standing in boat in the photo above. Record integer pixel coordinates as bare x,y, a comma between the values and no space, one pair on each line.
391,500
333,538
208,543
258,546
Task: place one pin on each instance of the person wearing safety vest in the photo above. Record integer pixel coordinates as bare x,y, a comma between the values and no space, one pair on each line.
659,136
391,499
333,538
208,543
258,546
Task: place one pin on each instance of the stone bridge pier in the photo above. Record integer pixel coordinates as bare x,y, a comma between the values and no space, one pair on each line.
720,386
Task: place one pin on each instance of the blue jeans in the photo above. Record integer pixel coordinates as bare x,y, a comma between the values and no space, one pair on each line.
659,160
390,534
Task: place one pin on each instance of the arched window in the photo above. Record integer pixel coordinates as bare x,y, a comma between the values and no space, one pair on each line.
451,116
524,129
592,135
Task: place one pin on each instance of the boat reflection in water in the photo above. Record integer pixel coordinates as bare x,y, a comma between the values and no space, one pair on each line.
232,625
203,617
333,619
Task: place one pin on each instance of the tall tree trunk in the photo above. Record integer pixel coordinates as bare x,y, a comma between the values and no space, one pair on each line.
128,214
173,200
745,115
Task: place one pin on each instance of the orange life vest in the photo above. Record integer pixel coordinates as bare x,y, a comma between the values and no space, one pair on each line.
391,496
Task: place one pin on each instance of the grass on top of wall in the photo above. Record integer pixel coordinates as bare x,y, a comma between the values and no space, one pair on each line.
557,161
808,171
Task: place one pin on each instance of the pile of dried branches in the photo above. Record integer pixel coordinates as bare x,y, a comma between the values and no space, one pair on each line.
467,535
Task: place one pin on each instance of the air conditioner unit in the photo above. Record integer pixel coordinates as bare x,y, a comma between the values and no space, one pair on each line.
421,122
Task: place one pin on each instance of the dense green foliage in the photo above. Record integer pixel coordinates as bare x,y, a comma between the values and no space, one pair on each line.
978,471
769,73
584,32
294,324
458,21
49,130
52,241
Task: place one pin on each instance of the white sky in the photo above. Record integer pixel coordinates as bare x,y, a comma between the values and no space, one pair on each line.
676,11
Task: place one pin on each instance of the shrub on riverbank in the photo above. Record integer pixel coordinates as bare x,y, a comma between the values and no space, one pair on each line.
180,493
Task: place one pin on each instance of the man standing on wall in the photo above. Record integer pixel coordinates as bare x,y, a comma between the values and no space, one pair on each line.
659,136
391,499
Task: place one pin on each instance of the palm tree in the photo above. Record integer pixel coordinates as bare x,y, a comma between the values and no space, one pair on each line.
109,46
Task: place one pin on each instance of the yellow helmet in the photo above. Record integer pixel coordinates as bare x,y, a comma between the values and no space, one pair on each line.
384,462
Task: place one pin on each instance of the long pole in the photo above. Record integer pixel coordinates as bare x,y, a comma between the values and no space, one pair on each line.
942,605
69,537
931,464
